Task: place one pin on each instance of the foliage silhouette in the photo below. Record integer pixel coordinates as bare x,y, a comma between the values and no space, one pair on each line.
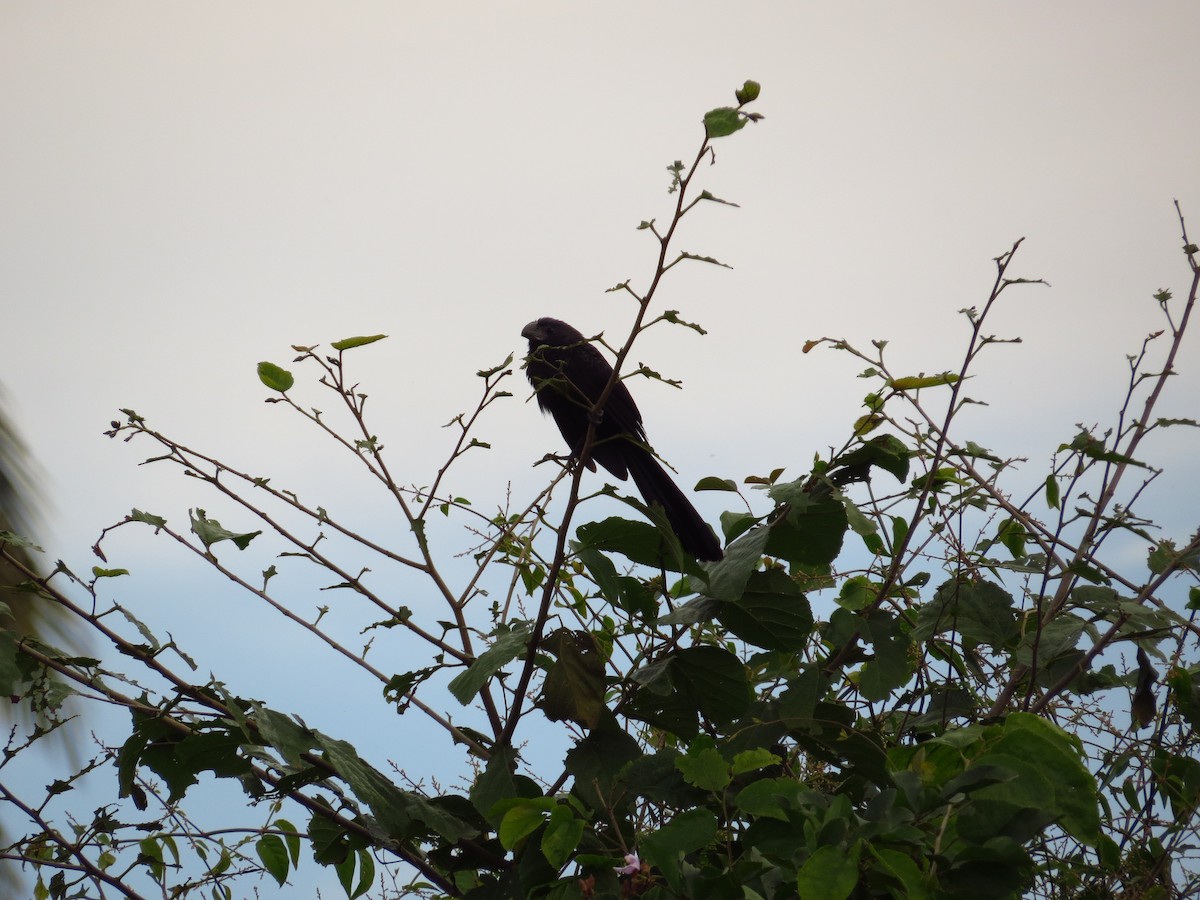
955,725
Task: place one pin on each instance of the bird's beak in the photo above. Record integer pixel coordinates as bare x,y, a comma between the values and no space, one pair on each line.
531,331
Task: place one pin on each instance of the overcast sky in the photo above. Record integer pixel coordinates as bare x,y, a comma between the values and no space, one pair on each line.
187,189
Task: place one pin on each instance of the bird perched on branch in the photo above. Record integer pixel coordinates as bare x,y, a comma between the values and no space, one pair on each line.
568,374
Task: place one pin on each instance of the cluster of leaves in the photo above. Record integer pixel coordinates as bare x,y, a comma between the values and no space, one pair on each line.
953,727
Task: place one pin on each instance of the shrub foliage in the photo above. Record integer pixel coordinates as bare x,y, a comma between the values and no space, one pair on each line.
986,699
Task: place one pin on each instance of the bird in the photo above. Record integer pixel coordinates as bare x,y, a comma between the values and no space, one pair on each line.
568,375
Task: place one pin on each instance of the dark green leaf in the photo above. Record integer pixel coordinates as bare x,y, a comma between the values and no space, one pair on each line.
495,783
712,483
574,686
891,665
563,831
508,644
291,839
1012,534
1052,498
400,813
830,873
596,762
10,670
728,577
366,873
703,766
811,533
773,613
640,542
1165,557
274,856
210,531
687,832
748,92
980,611
723,122
713,680
283,733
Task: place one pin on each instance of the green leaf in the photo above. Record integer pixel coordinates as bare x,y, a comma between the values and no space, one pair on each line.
640,542
1052,499
352,342
16,541
521,820
574,686
149,518
274,856
399,686
283,733
712,483
723,121
601,570
687,832
748,92
292,839
859,523
891,665
857,592
366,873
1012,534
982,612
275,378
563,832
488,373
108,573
1165,557
916,382
401,814
900,867
331,844
509,643
772,613
495,782
810,535
11,674
210,531
753,760
727,579
713,681
596,764
1050,781
769,798
704,767
830,873
360,860
886,452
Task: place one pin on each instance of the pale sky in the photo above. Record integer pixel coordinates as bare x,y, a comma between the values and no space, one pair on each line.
187,189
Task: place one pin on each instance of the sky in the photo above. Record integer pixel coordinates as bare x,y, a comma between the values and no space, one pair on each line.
188,189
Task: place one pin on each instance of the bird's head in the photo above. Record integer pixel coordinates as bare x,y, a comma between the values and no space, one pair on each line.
547,332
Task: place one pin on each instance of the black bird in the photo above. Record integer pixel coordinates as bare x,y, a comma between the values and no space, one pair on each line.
568,374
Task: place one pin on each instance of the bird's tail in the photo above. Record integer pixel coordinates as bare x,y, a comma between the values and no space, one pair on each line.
656,486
